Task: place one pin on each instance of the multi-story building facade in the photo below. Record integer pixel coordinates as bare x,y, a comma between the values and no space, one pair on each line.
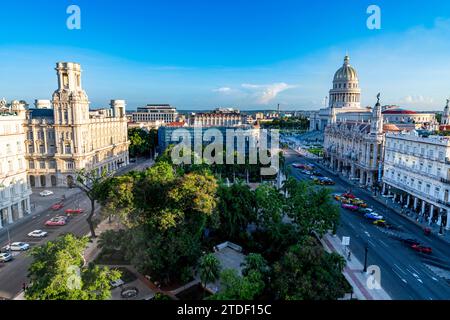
14,188
219,117
69,137
355,149
417,173
154,115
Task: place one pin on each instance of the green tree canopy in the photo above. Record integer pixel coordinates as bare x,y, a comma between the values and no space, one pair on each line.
58,272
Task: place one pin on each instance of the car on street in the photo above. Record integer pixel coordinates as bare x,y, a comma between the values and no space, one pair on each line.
422,249
373,216
381,223
337,196
45,193
327,181
349,195
349,207
117,283
298,165
56,221
365,210
317,174
38,234
74,211
5,257
17,246
410,242
57,206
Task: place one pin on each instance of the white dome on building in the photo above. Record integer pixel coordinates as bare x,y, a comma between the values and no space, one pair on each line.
346,72
345,92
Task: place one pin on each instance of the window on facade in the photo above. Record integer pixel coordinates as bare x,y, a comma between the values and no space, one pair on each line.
419,186
30,149
42,164
441,156
8,148
42,149
70,165
437,191
427,188
31,164
68,150
19,147
10,166
52,164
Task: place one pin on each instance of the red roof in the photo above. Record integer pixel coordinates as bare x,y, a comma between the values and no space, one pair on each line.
175,124
398,111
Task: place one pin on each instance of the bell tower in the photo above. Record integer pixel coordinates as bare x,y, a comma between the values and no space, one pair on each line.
70,102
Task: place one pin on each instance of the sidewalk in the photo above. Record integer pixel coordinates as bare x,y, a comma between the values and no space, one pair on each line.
354,274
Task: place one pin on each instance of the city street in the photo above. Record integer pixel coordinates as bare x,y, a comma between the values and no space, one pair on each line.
404,274
13,274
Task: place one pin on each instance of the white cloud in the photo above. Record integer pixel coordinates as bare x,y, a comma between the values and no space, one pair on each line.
223,90
266,93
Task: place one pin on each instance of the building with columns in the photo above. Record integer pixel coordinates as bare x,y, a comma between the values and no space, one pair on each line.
69,137
417,173
355,148
14,189
345,97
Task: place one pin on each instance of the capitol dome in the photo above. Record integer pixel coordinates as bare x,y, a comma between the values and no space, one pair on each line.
345,92
346,72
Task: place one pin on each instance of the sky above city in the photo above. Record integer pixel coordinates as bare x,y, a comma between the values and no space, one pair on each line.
202,54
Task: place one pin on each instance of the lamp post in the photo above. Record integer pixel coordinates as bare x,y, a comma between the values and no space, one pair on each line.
366,249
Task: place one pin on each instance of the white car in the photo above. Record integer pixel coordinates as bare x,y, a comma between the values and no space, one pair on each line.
46,193
37,234
5,257
18,246
117,283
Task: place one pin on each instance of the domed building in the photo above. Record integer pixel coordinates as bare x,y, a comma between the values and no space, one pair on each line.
345,97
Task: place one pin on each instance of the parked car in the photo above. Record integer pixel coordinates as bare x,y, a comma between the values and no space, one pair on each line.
349,195
38,234
327,181
337,196
365,210
421,249
45,193
5,257
117,283
54,222
57,206
298,165
349,207
18,246
74,211
317,174
373,216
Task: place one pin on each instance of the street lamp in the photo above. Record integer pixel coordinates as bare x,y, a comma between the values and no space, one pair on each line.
366,249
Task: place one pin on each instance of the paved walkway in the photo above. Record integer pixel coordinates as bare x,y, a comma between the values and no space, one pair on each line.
362,282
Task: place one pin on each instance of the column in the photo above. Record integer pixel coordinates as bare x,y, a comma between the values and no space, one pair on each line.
28,208
352,171
384,188
439,221
447,227
401,199
408,200
423,208
415,203
19,206
10,217
431,214
361,178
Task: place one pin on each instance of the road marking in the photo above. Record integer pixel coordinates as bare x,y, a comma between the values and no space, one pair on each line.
404,280
367,233
383,243
399,268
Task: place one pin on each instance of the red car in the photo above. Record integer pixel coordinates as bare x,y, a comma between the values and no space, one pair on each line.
421,249
298,165
57,221
350,207
57,206
74,211
349,195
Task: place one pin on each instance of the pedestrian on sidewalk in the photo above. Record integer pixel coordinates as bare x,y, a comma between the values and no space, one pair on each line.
24,287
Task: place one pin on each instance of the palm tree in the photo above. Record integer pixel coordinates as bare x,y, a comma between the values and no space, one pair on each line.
209,269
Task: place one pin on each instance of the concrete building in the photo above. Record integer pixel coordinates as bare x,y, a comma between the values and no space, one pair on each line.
14,189
409,119
354,148
417,173
69,137
219,117
154,115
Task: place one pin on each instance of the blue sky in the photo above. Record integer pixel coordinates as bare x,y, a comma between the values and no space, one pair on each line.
249,54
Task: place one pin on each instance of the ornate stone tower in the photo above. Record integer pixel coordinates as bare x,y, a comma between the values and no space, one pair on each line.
71,115
376,126
446,115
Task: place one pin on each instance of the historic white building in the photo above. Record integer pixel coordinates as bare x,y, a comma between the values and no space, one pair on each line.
345,97
355,148
69,137
154,115
14,189
219,117
417,173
